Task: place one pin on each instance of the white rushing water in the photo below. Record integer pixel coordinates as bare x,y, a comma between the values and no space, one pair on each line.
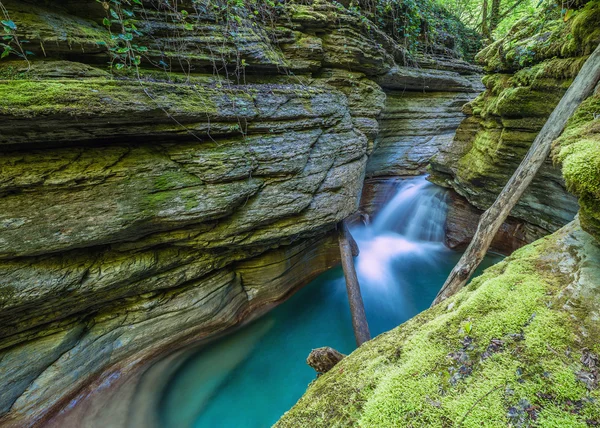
404,240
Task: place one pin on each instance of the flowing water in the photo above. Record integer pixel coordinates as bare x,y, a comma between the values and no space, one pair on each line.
250,378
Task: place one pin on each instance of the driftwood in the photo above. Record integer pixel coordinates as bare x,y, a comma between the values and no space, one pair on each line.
323,359
492,219
348,249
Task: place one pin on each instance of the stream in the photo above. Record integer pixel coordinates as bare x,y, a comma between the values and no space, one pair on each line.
251,377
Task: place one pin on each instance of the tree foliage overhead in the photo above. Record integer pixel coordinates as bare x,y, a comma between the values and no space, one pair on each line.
421,26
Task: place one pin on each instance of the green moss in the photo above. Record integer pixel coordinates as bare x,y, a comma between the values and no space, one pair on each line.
54,27
431,372
103,97
553,416
586,27
578,150
525,102
544,36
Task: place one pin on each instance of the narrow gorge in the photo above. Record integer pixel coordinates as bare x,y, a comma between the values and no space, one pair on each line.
171,172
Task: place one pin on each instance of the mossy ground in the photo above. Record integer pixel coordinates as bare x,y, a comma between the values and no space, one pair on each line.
503,352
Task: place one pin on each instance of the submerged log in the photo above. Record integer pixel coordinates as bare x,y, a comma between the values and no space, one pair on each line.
348,249
323,359
491,220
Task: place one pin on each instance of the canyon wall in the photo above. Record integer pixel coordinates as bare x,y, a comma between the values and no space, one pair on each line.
527,73
150,207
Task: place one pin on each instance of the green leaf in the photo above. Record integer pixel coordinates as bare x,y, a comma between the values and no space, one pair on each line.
568,15
10,24
106,22
468,327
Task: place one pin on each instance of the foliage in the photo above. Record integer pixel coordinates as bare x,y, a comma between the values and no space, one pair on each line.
10,43
120,15
510,12
420,25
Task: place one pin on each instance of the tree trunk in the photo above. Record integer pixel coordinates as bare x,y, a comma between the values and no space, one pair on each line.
484,20
495,15
348,249
492,219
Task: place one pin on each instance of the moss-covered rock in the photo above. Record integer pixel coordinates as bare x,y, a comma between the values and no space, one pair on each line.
521,91
578,151
518,346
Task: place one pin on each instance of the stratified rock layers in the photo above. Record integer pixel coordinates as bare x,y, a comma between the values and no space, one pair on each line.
139,214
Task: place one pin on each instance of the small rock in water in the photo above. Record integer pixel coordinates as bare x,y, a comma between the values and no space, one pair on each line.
323,359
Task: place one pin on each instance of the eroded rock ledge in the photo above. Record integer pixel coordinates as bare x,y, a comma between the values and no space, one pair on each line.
527,73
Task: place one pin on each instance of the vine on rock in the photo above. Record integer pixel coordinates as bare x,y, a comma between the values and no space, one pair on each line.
10,42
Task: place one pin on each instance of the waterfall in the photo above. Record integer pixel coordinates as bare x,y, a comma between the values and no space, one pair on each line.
248,379
417,212
404,240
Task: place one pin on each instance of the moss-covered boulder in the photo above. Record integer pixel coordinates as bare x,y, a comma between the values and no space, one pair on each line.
519,346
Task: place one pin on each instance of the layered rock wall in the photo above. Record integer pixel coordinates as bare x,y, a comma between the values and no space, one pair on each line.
151,207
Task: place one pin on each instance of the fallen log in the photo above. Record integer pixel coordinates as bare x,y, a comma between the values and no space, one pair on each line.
349,249
323,359
491,220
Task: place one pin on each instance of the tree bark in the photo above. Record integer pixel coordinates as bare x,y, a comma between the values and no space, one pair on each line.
323,359
492,219
348,249
484,20
494,15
